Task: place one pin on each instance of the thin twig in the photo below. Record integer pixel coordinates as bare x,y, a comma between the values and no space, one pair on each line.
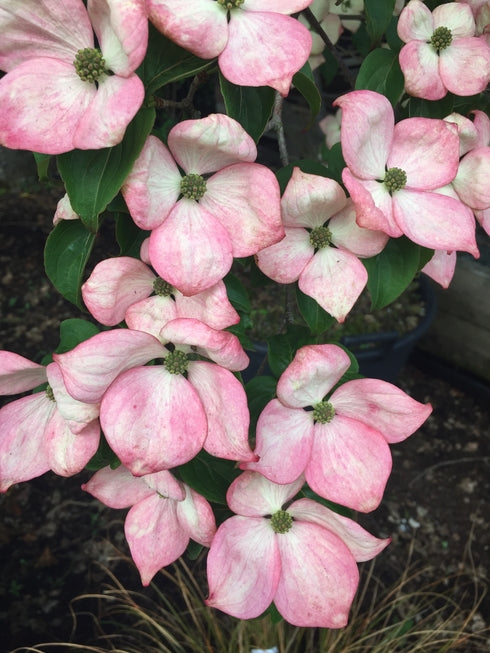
276,124
444,463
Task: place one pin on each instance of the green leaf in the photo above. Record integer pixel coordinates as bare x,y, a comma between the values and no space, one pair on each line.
166,62
305,84
380,71
260,390
378,16
237,293
209,476
314,315
93,177
103,457
42,164
65,256
283,347
431,109
129,236
391,271
336,162
74,331
251,107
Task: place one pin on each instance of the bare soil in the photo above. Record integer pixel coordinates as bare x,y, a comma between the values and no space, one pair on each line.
52,534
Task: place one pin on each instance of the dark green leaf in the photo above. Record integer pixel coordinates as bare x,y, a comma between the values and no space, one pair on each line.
392,38
427,109
42,163
74,331
378,16
314,315
260,390
305,84
103,457
166,62
380,71
391,271
129,236
93,177
209,476
336,163
65,256
250,106
237,293
283,347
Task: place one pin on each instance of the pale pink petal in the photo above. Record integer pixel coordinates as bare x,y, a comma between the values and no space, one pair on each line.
69,452
309,200
467,132
319,577
482,125
226,408
64,211
209,144
458,18
276,6
283,443
154,535
415,22
285,260
32,29
252,495
153,186
435,220
314,371
153,420
366,132
187,21
281,46
18,374
465,66
122,32
420,66
483,218
360,543
150,315
243,567
210,306
117,488
166,485
427,150
441,267
23,453
472,183
245,198
110,111
43,100
347,234
114,285
373,204
350,463
191,249
335,279
196,516
76,413
381,405
222,347
92,366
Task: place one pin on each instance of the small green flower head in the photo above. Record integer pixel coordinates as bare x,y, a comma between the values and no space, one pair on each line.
441,38
320,237
323,412
395,179
176,362
231,4
281,521
193,187
89,64
50,393
162,288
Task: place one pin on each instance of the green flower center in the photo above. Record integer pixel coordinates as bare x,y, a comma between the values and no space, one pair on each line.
395,179
320,237
323,412
50,393
162,287
89,64
281,521
176,362
231,4
441,38
193,187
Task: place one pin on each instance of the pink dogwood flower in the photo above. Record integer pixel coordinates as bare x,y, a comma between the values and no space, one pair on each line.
393,173
120,288
257,43
442,52
322,244
232,213
159,416
340,440
60,92
302,557
48,430
164,516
